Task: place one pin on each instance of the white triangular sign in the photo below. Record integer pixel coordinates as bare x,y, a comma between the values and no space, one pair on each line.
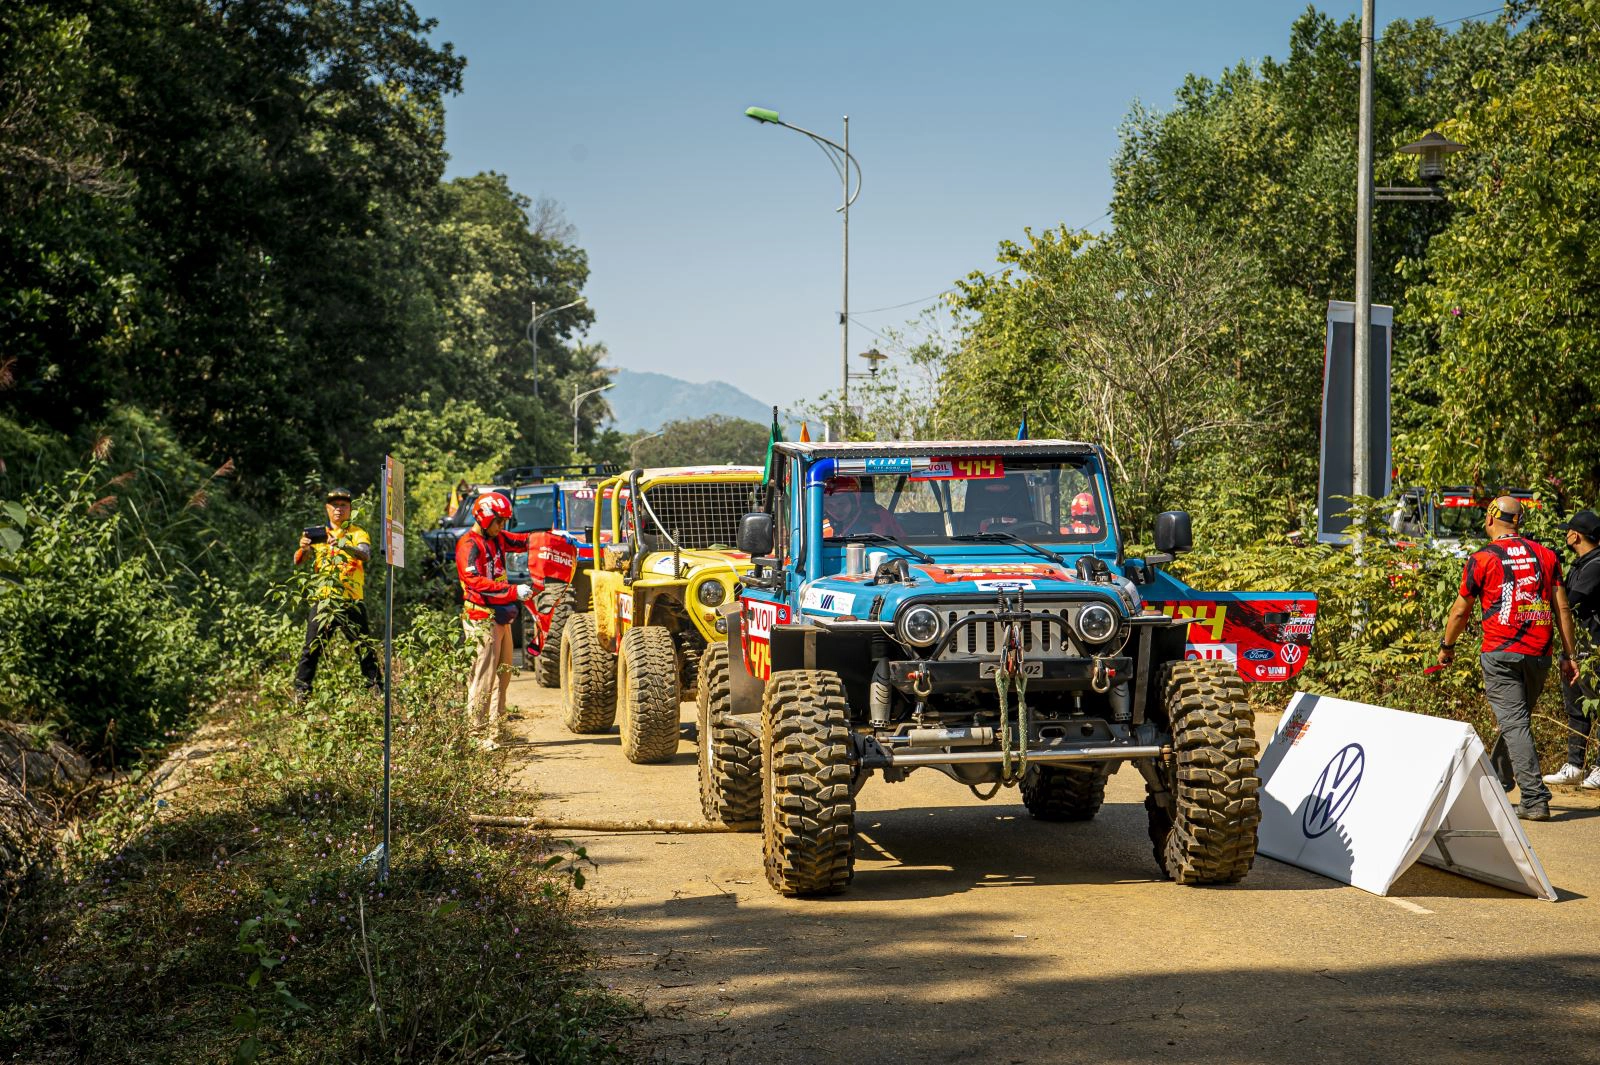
1359,793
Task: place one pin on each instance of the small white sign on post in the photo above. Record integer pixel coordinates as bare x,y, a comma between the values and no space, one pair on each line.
1359,793
394,511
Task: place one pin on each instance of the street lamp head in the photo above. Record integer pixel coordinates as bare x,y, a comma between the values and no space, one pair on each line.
1433,147
873,357
762,114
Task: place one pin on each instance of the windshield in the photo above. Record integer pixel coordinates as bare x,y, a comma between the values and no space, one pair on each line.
1456,523
533,509
580,506
1042,500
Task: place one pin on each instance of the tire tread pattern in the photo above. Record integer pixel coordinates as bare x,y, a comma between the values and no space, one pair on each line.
1054,794
730,749
1210,836
547,667
808,805
588,678
647,703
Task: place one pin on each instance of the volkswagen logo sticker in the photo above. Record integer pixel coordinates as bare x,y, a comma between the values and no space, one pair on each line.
1331,795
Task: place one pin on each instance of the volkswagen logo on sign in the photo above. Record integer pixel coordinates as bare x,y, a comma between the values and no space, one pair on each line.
1332,793
1291,653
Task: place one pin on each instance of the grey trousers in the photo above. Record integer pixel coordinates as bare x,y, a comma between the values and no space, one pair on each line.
1512,684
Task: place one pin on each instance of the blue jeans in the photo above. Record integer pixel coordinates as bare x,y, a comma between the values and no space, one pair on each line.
1512,683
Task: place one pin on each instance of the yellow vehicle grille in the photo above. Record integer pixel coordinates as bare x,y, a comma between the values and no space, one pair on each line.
698,516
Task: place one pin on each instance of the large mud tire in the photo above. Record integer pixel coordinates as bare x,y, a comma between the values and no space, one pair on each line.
1209,836
647,695
730,748
808,806
558,599
1054,794
588,678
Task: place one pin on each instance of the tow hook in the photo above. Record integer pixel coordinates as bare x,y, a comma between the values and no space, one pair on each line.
921,681
1102,676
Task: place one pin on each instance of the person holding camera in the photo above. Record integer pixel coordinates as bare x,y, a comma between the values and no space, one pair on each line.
489,607
340,551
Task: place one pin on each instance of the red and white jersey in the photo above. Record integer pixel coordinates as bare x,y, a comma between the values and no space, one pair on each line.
1514,580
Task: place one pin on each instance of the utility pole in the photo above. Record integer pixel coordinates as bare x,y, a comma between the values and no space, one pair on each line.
1361,440
844,318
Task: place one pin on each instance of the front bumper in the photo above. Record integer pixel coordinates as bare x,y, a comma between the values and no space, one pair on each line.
1042,674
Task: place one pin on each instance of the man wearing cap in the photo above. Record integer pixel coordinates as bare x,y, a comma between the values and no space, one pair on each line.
1583,592
339,552
1517,583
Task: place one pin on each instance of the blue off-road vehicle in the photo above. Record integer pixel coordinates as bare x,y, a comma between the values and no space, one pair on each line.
968,607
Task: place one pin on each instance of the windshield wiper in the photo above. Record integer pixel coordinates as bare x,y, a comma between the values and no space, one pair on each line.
880,538
1009,538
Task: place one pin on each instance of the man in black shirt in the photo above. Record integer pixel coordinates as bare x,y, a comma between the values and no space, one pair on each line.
1583,592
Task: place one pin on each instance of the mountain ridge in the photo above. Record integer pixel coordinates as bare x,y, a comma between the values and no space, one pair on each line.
644,401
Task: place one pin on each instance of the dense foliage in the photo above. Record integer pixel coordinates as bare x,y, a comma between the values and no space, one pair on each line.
232,216
1188,336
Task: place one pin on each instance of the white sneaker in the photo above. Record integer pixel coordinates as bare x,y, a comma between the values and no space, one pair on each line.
1593,779
488,745
1569,774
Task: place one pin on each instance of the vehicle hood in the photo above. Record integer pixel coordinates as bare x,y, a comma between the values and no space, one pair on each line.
661,562
979,581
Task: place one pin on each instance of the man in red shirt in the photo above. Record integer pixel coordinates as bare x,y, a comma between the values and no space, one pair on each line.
1517,584
489,606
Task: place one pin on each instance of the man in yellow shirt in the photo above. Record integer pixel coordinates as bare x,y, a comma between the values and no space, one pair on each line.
339,552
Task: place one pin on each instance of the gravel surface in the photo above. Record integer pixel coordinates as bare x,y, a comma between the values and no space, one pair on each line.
974,934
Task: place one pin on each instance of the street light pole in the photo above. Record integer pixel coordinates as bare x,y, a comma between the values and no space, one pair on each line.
579,398
533,332
844,317
843,162
1361,441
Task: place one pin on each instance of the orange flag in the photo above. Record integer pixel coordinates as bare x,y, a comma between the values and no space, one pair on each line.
805,434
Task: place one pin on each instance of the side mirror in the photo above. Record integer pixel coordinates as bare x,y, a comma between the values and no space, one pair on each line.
755,534
1174,533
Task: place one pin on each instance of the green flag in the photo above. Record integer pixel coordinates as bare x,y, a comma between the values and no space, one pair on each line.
774,438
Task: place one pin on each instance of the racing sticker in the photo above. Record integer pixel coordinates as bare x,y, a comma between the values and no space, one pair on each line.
1013,585
1266,639
625,608
759,618
1009,572
828,600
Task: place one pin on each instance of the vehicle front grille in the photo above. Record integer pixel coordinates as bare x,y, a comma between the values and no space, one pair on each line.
698,516
1040,639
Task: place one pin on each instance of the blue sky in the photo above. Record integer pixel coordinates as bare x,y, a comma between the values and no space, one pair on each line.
713,241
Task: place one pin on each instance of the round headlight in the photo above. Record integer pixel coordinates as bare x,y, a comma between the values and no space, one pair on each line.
1096,623
711,593
920,626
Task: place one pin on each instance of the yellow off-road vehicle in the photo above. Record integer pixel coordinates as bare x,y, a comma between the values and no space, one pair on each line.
654,595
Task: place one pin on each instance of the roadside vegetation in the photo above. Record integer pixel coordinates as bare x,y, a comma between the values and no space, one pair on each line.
232,911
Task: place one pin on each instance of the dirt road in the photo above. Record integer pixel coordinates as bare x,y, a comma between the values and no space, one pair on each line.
974,934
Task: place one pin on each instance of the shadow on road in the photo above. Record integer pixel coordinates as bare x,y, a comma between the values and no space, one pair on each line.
812,985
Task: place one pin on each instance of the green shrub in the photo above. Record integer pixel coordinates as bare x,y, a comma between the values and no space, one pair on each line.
92,639
1380,616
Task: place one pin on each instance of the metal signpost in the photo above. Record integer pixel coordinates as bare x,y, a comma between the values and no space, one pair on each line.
394,553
